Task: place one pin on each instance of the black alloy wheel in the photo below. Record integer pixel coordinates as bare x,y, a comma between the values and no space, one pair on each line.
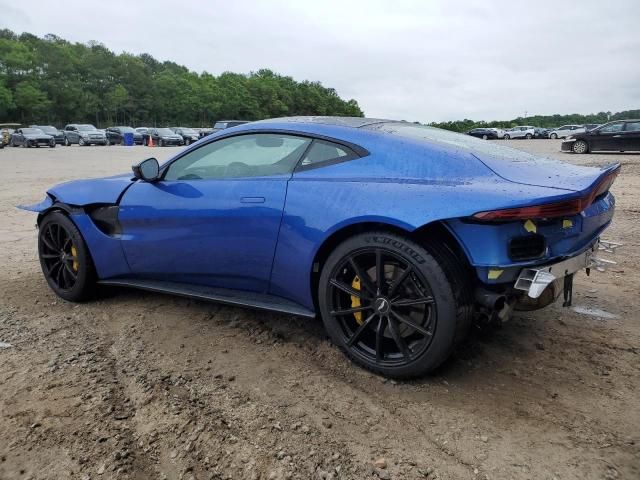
388,304
64,258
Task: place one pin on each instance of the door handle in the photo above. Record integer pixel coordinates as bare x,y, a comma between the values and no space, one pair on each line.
252,200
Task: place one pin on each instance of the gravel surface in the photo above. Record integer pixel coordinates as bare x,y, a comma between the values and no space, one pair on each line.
138,385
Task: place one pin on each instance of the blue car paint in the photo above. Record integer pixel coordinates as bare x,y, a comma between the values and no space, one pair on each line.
202,232
220,233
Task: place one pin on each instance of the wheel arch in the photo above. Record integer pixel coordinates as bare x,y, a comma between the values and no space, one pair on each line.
435,232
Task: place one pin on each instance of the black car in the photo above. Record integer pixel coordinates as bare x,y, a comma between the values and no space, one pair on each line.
189,135
115,135
484,133
621,136
222,124
31,137
58,135
163,137
541,132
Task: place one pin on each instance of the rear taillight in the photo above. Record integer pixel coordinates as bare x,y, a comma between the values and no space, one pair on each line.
565,208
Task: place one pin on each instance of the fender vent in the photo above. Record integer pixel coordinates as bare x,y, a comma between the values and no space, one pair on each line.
527,247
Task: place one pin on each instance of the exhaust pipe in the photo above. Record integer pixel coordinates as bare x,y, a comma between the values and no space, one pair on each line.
490,300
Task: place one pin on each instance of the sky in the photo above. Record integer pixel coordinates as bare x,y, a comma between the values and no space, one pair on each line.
412,60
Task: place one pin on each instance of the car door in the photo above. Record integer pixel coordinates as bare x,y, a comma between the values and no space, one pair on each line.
608,137
18,137
631,135
214,217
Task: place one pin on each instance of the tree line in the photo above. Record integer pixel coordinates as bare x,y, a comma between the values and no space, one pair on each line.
50,80
544,121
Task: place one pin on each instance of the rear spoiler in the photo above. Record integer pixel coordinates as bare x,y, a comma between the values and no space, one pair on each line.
563,208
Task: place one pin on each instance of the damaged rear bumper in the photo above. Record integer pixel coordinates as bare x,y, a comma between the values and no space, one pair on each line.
535,280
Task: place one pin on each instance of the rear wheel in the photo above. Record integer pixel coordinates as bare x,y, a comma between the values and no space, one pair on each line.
553,136
65,259
580,146
388,304
81,142
67,143
484,137
506,136
528,136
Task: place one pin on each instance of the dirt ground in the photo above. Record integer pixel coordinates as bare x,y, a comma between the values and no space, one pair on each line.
138,385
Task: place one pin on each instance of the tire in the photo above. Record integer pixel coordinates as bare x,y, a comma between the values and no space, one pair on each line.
528,136
161,143
65,259
410,270
67,143
27,144
52,145
187,142
107,142
13,144
81,142
580,146
553,136
484,137
506,136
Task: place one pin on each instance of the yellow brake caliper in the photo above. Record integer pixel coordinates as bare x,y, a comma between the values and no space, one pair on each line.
355,301
74,254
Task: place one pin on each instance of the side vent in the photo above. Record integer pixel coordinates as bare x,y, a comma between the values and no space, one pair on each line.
106,219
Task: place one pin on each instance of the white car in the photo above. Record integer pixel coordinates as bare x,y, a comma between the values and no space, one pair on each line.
527,132
566,131
499,132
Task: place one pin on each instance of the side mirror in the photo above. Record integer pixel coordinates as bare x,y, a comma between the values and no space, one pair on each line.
147,170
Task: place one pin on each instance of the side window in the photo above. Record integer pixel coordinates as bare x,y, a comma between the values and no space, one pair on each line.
632,127
322,151
613,128
252,155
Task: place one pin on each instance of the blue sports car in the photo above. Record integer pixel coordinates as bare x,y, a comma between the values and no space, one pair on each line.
396,234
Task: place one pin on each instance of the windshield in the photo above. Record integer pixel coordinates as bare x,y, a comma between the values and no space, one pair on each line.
188,131
86,128
164,131
35,131
126,129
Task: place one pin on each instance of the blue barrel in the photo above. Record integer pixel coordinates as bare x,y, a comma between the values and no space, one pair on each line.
128,139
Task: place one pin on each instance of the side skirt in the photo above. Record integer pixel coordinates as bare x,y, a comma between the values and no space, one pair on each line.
261,301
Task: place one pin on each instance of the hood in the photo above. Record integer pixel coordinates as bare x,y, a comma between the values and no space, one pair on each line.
97,190
524,168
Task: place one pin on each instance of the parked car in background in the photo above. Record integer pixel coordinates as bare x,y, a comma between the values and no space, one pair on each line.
520,132
115,135
83,134
541,132
6,129
189,135
203,132
621,135
222,124
591,126
163,137
58,135
484,133
566,130
499,132
31,137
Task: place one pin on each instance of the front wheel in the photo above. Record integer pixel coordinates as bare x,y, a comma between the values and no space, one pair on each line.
484,137
553,136
580,146
65,259
506,136
81,142
388,304
528,136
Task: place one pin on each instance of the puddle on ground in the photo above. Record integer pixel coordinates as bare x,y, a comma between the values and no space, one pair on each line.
594,312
